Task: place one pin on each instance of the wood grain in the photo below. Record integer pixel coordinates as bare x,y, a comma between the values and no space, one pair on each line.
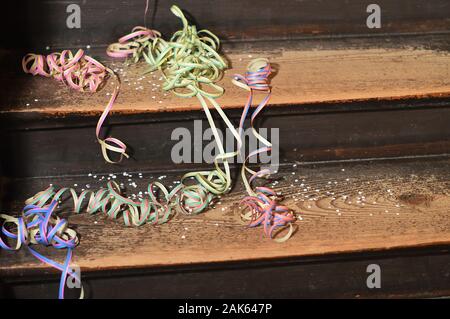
343,207
302,77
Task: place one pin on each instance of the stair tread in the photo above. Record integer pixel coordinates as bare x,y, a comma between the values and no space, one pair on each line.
303,77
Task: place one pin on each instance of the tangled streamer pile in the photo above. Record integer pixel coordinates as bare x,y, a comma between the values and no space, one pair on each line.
82,73
262,203
190,66
39,226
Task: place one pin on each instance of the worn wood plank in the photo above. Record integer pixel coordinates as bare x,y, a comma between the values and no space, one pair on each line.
302,77
344,207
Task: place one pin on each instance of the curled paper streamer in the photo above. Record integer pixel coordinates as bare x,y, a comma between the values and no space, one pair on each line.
81,73
261,203
190,66
39,226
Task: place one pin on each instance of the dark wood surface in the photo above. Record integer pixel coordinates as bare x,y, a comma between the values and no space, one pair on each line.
303,76
43,23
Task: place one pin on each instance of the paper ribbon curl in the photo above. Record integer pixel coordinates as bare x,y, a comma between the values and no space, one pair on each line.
262,207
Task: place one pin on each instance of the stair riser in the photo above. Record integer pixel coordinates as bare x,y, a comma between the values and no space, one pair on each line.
65,146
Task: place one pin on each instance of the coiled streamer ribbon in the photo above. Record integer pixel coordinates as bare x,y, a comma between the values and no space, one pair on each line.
81,73
38,225
262,203
190,65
